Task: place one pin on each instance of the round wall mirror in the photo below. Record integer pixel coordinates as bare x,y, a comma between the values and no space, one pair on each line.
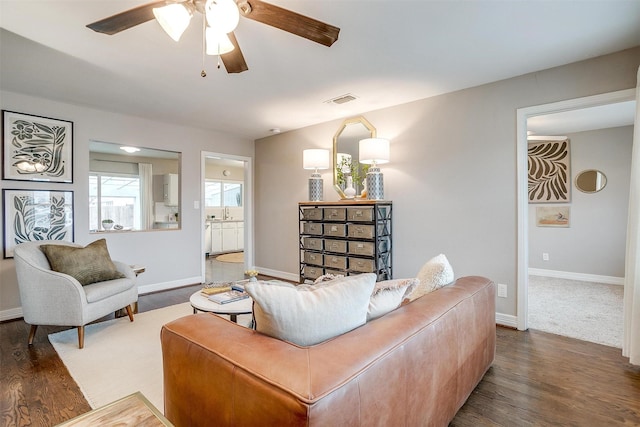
591,181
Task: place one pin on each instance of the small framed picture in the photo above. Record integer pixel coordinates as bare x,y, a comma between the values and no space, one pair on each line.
36,148
552,216
32,215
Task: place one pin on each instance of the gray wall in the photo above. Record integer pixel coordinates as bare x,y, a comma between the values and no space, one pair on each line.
596,239
172,257
452,174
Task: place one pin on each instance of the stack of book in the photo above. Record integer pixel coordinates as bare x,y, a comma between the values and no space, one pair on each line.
229,296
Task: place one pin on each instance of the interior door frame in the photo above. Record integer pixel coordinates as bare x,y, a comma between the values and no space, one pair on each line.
247,204
522,114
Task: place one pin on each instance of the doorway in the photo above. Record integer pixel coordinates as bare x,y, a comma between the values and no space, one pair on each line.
226,209
523,115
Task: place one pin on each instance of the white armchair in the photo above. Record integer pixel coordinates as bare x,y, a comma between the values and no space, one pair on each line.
52,298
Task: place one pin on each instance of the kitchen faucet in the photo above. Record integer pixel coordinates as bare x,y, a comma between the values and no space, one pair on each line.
225,214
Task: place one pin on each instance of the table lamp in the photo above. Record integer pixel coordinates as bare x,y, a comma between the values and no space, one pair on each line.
315,158
374,151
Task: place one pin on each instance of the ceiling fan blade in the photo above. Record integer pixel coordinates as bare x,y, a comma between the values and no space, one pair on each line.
127,19
289,21
234,60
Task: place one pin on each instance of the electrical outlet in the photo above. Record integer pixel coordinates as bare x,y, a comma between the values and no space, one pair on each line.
502,290
545,256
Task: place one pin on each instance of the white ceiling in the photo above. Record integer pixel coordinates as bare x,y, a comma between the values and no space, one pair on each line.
389,52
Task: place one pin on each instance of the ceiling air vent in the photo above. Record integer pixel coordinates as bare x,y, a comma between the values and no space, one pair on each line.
342,99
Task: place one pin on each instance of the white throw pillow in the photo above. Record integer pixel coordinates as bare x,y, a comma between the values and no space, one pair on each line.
388,295
310,315
436,273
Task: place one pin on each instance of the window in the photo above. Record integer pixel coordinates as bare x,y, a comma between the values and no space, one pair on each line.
116,197
220,194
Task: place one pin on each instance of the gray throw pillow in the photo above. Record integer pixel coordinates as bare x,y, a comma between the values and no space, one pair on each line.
87,265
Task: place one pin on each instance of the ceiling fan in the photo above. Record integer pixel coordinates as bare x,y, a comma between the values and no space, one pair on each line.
221,18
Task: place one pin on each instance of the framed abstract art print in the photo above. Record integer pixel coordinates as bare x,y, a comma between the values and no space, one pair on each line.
36,148
32,215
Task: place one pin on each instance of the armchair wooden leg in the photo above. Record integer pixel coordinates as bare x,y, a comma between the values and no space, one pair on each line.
80,336
32,333
130,312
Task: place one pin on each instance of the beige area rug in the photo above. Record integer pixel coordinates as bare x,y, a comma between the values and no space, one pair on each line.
120,357
583,310
237,257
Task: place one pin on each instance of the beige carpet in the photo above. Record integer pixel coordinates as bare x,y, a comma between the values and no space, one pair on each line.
236,257
583,310
120,357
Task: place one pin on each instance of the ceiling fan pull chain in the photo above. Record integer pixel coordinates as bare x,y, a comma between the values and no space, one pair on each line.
203,73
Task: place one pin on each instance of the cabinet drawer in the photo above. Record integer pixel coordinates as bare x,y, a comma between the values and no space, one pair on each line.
312,228
360,214
362,248
339,246
361,231
312,272
312,213
335,230
312,243
334,261
313,258
335,214
362,265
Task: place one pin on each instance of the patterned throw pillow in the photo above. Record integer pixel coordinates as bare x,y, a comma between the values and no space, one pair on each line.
87,265
436,273
308,315
388,295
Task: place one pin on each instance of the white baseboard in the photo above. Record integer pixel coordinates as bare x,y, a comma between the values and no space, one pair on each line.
609,280
506,320
155,287
10,314
279,274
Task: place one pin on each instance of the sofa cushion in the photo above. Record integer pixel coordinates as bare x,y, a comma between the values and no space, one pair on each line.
89,264
309,315
388,295
434,274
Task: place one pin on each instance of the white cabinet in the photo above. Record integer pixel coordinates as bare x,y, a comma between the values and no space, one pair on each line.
225,237
216,237
240,236
229,236
170,189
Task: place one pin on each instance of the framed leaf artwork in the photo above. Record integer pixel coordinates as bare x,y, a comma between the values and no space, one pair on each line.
549,179
32,215
36,148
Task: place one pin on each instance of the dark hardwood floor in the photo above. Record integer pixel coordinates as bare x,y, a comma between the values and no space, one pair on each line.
537,379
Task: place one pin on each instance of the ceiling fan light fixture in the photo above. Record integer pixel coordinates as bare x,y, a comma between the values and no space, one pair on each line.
174,18
217,43
222,15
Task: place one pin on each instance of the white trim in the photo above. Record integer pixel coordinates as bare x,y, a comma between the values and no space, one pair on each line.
506,320
247,207
279,274
521,170
10,314
583,277
155,287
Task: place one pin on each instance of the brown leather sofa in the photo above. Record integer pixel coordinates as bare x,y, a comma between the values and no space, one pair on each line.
415,366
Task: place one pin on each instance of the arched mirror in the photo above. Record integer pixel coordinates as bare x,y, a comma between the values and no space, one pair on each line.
345,152
591,181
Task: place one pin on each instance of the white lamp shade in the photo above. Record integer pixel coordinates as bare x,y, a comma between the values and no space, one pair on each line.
174,18
222,15
316,158
374,150
217,43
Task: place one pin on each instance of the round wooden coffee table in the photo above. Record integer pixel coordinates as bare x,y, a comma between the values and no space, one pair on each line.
200,302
